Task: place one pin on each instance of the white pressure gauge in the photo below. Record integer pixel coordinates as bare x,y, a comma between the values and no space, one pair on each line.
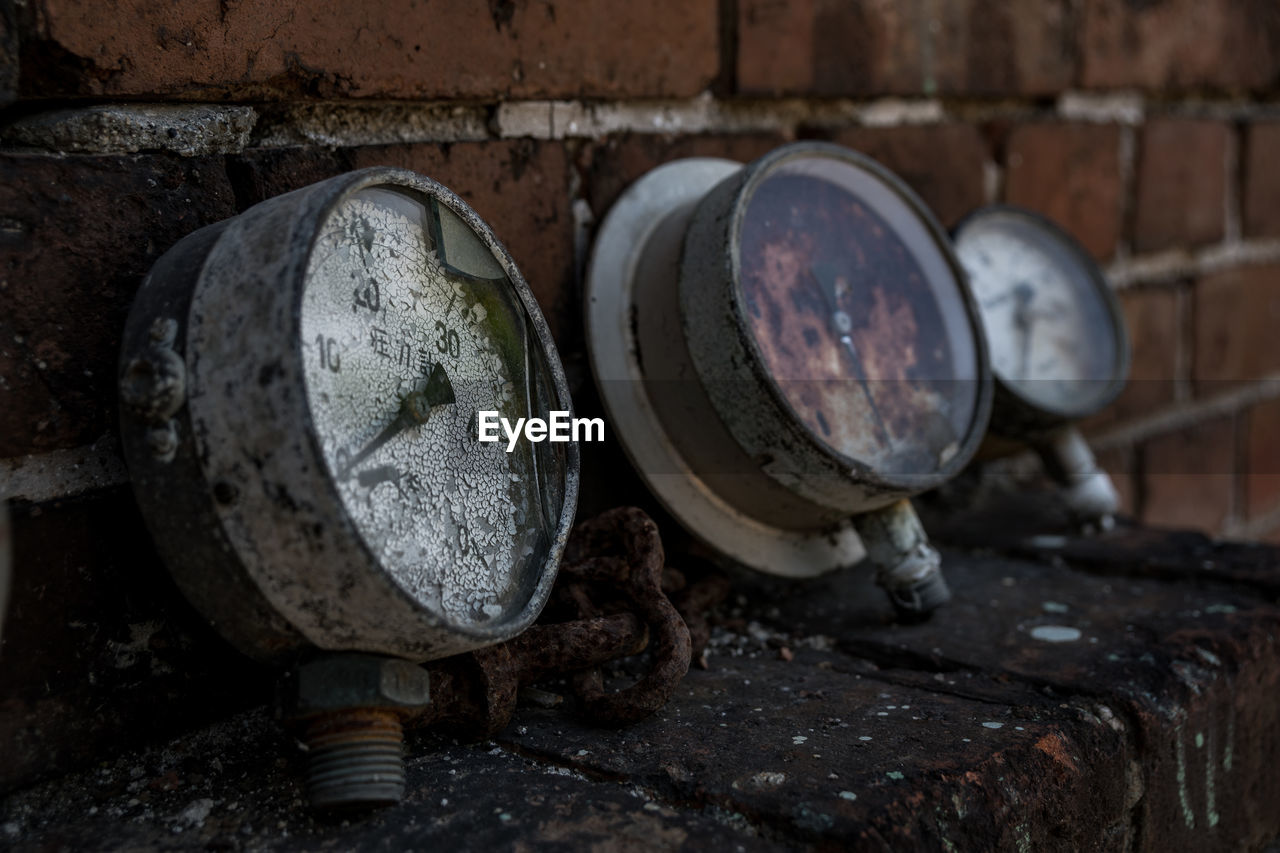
1059,349
787,352
300,388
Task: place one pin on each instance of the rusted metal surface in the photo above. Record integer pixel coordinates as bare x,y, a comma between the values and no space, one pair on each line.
621,549
611,581
850,328
724,325
355,759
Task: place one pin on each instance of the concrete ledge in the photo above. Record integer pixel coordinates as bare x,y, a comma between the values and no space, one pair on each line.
1077,694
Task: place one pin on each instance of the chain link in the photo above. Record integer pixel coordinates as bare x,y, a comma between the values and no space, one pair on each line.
614,598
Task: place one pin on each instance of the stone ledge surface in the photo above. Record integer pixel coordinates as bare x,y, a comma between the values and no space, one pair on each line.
1071,697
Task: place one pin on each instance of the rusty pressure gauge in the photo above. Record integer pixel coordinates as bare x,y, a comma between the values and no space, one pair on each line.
300,386
1059,349
788,352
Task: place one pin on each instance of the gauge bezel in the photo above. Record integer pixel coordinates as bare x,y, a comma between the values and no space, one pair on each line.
616,287
718,328
284,542
1017,415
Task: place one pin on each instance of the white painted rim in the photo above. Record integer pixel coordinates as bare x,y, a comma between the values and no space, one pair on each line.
612,346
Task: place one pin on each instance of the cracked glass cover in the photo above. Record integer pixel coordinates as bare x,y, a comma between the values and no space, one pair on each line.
410,326
857,316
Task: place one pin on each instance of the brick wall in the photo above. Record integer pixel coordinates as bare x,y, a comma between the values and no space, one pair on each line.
1150,130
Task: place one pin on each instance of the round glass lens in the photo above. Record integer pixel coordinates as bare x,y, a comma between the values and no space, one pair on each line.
1048,328
409,328
858,316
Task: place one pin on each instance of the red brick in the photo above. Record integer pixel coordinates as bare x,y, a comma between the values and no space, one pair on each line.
8,55
1070,173
830,47
77,236
1262,472
1180,44
520,187
1261,191
207,49
1155,333
101,652
1188,477
1237,314
615,163
1182,184
943,163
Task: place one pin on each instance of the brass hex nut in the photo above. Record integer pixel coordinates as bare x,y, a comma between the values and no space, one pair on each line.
341,682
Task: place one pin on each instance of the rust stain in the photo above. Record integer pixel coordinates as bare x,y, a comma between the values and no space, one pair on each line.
1053,746
848,326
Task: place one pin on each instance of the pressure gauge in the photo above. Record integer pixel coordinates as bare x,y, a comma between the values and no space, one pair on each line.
788,352
1059,350
300,389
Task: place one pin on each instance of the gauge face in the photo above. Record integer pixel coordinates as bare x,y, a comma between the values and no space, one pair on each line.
858,316
1049,328
410,327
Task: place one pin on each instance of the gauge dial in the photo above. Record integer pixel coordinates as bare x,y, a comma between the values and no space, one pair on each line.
858,318
401,351
1050,319
301,388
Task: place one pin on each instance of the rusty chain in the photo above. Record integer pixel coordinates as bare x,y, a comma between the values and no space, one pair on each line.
614,599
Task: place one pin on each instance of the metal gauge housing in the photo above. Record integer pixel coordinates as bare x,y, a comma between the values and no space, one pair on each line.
1059,348
300,387
787,352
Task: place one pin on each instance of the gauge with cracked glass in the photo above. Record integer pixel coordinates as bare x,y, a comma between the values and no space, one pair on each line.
1059,348
787,352
300,387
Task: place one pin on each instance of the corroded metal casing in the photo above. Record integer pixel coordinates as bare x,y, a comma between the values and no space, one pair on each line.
242,507
724,354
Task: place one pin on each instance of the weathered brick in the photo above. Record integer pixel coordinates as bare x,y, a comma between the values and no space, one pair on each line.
1070,173
8,53
943,163
77,236
1262,472
405,49
520,187
1189,476
101,652
479,797
1180,44
614,164
1237,313
1261,191
1182,184
828,47
1155,340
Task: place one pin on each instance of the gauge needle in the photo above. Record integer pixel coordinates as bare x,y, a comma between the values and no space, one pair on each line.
826,277
415,409
1022,320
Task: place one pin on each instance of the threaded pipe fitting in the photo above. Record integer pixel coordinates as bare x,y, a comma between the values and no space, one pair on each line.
355,759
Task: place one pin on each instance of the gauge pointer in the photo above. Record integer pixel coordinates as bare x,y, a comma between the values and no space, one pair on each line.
1022,320
415,409
826,276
